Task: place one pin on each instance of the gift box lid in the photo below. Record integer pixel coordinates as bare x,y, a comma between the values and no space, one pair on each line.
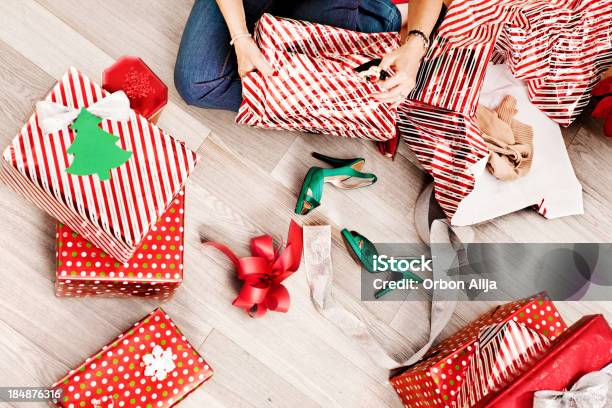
118,212
158,259
150,365
148,94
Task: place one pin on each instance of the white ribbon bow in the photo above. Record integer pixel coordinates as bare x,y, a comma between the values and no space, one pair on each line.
54,116
591,391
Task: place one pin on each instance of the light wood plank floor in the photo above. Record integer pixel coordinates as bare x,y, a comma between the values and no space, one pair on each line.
246,185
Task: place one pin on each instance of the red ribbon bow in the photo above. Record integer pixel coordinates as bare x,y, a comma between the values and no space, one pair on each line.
264,272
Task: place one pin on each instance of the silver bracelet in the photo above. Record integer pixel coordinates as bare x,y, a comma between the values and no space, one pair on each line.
239,36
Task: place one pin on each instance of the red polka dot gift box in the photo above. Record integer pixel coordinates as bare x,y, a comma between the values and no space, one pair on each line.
150,366
483,357
155,270
93,163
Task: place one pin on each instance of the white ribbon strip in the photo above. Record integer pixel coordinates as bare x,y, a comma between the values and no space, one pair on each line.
319,271
54,116
593,390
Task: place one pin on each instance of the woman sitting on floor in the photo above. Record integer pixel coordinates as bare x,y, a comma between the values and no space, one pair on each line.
217,49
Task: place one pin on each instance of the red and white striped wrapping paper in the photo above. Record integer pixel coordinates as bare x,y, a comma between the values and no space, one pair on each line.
559,48
115,215
316,88
482,357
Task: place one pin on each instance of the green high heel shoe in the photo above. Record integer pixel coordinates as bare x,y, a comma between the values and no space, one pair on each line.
344,174
362,250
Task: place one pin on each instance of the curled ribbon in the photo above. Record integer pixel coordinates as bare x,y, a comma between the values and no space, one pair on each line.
54,116
264,272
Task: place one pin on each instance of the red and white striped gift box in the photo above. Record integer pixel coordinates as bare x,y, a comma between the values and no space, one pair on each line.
482,357
315,88
114,215
559,48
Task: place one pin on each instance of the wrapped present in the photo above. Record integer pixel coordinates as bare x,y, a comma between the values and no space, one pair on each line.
147,93
151,365
481,358
585,347
539,40
155,270
96,165
315,87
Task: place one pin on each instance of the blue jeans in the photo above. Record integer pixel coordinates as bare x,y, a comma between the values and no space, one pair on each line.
206,72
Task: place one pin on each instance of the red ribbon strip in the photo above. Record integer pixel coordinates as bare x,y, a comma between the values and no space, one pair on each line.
264,272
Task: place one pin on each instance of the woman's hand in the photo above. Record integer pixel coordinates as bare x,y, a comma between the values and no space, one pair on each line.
406,61
250,58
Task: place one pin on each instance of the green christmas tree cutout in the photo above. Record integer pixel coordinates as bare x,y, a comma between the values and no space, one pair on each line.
95,151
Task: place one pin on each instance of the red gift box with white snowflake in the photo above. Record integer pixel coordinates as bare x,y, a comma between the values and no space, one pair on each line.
482,357
152,365
93,163
155,270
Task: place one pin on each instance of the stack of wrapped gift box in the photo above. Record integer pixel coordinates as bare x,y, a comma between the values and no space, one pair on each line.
120,229
91,158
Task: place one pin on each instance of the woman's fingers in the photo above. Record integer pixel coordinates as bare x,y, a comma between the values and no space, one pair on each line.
245,68
396,94
392,82
396,88
262,66
250,58
388,60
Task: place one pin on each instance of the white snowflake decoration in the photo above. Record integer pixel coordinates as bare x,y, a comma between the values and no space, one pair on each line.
159,363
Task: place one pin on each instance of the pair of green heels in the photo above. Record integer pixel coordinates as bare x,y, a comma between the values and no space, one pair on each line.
344,174
363,251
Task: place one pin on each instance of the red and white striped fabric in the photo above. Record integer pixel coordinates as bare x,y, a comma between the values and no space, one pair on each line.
315,88
482,357
559,48
115,215
503,351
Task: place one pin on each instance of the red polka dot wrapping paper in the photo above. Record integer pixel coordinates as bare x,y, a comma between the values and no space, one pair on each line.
155,270
150,366
482,357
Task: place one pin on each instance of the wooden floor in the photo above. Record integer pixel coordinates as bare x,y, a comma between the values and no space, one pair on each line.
246,185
